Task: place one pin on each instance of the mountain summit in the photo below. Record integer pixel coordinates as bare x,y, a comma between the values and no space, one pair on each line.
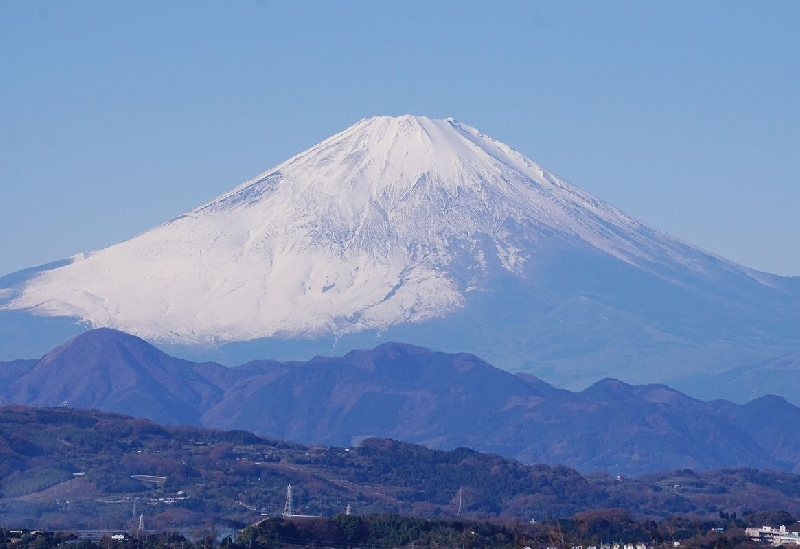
430,232
364,231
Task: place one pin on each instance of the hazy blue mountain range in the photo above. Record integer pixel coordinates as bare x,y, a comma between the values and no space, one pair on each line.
416,395
430,233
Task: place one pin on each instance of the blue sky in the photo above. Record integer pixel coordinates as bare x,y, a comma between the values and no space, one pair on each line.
115,117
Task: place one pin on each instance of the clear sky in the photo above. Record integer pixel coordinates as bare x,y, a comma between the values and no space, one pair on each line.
117,116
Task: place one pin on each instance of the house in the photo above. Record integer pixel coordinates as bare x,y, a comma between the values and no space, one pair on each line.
775,536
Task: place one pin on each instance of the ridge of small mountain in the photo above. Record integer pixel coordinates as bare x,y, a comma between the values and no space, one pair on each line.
419,396
115,371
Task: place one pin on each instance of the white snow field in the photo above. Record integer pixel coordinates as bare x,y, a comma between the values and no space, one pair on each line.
393,220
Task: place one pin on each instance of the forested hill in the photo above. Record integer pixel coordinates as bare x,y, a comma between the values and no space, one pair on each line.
64,468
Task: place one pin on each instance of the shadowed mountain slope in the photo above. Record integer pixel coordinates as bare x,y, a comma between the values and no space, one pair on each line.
416,395
114,371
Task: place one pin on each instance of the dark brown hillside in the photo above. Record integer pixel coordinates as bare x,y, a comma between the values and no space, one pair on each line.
101,462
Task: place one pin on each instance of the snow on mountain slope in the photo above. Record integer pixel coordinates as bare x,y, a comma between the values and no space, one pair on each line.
394,220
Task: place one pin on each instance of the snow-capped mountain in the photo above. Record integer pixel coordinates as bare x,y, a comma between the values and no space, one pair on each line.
430,232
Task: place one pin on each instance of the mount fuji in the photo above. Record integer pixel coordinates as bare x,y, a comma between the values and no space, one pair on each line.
427,232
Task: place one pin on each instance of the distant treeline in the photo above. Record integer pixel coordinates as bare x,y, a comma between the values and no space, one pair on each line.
601,527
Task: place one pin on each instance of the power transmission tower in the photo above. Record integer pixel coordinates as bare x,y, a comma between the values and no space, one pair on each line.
288,508
140,531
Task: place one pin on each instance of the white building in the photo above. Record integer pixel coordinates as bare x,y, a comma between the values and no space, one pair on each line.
775,536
